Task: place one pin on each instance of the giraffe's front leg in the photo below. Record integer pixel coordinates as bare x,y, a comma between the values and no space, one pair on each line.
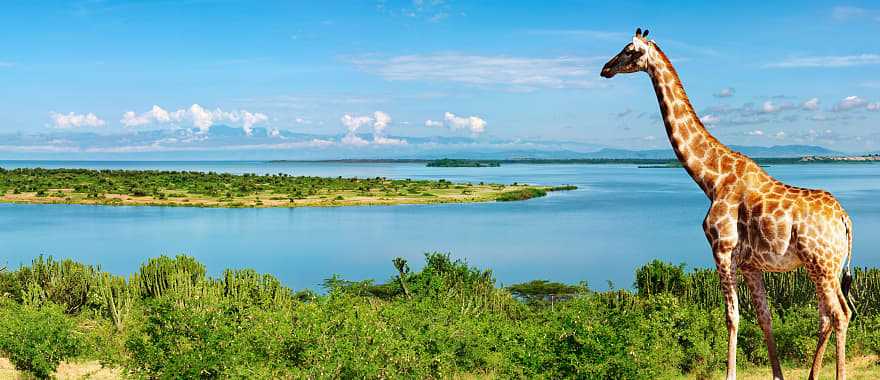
727,274
720,229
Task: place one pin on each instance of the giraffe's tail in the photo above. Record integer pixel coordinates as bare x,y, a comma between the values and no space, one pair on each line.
847,276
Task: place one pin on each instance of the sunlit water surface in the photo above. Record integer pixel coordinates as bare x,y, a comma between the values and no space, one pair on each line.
619,218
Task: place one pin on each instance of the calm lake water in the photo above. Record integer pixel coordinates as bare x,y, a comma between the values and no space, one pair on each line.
619,218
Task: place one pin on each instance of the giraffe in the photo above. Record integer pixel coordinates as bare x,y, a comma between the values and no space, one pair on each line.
755,223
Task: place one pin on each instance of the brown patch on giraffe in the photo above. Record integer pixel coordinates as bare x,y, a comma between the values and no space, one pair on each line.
679,111
726,163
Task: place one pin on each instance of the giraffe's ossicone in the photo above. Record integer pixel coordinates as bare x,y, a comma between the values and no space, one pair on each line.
755,223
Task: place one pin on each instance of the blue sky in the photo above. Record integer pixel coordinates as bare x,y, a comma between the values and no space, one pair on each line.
759,73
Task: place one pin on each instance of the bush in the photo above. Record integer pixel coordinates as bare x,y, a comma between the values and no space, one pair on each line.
659,277
36,339
65,283
218,342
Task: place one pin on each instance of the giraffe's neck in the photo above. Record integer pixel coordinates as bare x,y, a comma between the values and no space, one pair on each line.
694,146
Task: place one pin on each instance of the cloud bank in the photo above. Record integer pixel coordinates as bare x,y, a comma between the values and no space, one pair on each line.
511,73
197,115
74,120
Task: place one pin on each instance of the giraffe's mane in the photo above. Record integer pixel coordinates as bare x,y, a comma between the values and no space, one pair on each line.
679,89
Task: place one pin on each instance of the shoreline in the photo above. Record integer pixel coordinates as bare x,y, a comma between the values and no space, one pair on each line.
204,203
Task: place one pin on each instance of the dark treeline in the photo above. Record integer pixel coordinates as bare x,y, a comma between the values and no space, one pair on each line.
171,319
635,161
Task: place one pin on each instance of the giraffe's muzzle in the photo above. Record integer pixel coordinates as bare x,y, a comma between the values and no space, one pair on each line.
607,71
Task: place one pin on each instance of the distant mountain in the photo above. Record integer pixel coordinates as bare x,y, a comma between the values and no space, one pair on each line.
260,143
751,151
785,151
615,153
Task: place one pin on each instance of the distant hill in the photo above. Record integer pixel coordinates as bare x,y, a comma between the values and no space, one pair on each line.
615,153
785,151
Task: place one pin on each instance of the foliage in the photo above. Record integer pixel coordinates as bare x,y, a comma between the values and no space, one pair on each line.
446,319
659,277
458,163
521,194
36,339
544,291
66,283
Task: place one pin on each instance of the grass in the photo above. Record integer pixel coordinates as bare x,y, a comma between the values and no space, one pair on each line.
197,189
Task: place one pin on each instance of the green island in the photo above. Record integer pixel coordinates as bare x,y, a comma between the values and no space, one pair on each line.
453,163
200,189
170,319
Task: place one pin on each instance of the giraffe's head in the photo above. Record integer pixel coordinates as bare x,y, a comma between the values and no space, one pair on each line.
632,58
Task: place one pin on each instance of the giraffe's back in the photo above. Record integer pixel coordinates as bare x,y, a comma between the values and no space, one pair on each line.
783,226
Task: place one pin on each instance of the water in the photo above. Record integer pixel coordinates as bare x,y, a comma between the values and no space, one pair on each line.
619,218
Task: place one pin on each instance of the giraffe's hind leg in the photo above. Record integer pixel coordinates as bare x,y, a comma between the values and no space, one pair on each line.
755,282
833,314
824,334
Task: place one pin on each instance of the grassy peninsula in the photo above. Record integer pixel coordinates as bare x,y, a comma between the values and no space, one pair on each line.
170,319
200,189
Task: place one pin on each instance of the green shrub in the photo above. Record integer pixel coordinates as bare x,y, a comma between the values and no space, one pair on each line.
659,277
35,339
66,283
218,342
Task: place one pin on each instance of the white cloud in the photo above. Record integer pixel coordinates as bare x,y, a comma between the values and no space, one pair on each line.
847,13
320,143
512,73
353,139
353,123
770,107
780,135
725,92
249,119
811,104
827,61
849,103
381,140
73,120
380,121
756,132
200,117
473,123
873,106
433,124
710,119
154,115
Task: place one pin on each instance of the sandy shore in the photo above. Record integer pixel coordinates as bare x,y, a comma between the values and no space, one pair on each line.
453,194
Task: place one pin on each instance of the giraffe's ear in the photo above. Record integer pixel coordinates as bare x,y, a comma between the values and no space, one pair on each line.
639,44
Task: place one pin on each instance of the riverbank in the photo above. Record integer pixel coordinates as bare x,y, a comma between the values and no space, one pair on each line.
197,189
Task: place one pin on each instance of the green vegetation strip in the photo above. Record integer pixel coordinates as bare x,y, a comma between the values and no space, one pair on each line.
200,189
448,320
452,163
